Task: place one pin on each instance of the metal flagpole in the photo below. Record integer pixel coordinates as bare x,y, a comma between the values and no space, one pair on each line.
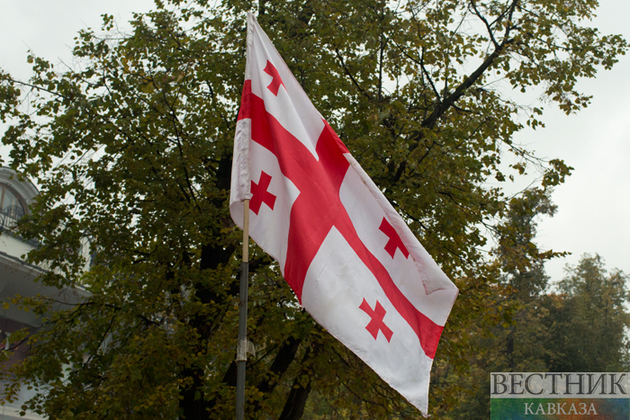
241,349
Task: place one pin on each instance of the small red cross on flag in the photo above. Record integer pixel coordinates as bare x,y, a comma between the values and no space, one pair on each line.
376,323
276,81
339,243
260,194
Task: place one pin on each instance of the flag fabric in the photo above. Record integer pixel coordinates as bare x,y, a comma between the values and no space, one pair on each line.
351,260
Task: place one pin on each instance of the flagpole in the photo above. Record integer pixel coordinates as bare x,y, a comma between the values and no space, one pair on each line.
241,349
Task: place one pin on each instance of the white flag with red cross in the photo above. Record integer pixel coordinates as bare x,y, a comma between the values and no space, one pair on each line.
347,254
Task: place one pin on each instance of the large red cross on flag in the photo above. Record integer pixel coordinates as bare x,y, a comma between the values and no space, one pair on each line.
349,257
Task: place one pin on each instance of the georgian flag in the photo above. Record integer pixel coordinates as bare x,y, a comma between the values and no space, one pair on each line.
349,257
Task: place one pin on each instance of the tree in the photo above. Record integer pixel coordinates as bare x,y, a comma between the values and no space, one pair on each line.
590,323
581,329
518,342
132,149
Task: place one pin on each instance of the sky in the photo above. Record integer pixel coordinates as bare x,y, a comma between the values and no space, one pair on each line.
593,204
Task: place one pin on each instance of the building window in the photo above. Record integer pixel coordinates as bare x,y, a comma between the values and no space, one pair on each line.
11,208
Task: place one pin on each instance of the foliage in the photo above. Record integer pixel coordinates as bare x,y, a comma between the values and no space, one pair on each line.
132,150
593,319
582,327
